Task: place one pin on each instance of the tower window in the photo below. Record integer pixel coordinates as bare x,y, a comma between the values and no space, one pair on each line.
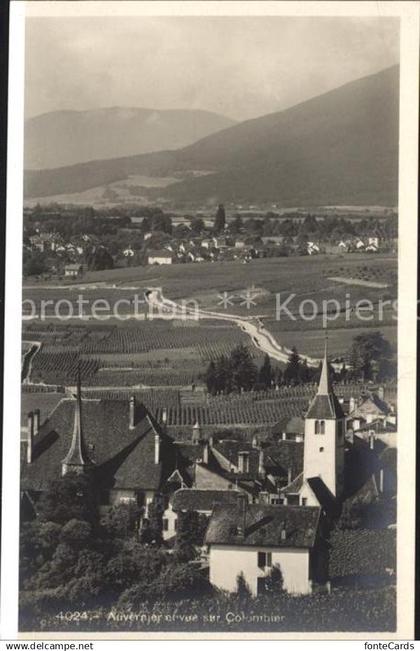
320,427
321,449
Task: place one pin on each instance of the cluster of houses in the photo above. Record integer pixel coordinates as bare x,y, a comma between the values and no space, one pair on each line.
209,249
269,501
230,248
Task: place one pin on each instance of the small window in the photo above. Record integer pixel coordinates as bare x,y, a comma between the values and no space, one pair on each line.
264,560
165,524
304,501
321,449
175,524
322,426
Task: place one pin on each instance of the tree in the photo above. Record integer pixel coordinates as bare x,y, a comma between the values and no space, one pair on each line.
242,588
187,529
152,529
265,374
197,225
71,496
274,581
244,371
371,350
292,370
220,220
99,258
210,378
121,521
34,263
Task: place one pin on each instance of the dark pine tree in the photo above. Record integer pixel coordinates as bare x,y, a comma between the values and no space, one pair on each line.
220,220
292,370
265,374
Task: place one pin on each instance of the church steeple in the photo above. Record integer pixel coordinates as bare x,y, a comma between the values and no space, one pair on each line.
325,403
324,435
324,386
77,458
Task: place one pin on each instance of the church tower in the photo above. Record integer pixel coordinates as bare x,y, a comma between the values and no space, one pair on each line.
77,459
324,435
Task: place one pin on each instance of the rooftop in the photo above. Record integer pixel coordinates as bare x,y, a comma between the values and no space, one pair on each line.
264,526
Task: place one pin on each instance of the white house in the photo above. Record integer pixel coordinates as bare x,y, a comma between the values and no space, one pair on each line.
250,539
160,257
73,270
201,501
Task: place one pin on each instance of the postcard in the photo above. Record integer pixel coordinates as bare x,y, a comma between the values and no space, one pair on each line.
210,338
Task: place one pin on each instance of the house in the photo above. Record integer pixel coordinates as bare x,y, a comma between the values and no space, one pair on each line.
373,241
118,443
371,248
369,409
360,245
160,257
73,270
207,244
251,539
240,244
312,248
202,501
128,252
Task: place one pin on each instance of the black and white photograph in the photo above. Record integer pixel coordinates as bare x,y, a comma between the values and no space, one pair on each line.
216,389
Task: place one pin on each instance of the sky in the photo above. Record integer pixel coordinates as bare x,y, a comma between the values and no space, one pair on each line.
240,67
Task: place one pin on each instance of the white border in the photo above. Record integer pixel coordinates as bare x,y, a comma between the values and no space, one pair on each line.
12,328
409,13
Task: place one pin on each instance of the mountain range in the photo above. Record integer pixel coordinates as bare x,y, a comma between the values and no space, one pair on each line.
63,138
338,148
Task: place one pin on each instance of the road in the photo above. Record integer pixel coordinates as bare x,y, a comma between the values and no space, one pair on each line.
252,326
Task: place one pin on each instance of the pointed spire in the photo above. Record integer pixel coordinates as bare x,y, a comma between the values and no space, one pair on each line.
324,387
77,457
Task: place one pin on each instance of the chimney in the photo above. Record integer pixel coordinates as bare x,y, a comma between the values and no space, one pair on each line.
381,480
371,440
289,475
242,507
164,418
261,468
36,417
283,436
157,449
211,441
255,441
206,453
30,440
196,433
132,411
381,393
352,404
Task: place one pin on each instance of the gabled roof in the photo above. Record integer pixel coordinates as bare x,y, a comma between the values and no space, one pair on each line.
192,499
371,404
264,525
123,457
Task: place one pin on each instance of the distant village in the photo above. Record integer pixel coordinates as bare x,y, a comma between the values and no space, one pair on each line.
99,241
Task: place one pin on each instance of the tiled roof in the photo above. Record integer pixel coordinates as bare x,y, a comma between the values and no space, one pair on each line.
371,405
325,406
122,458
264,525
281,456
191,499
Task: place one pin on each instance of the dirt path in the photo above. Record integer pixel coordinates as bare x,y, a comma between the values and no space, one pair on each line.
259,335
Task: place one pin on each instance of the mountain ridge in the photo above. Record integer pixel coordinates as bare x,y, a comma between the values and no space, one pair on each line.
338,147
